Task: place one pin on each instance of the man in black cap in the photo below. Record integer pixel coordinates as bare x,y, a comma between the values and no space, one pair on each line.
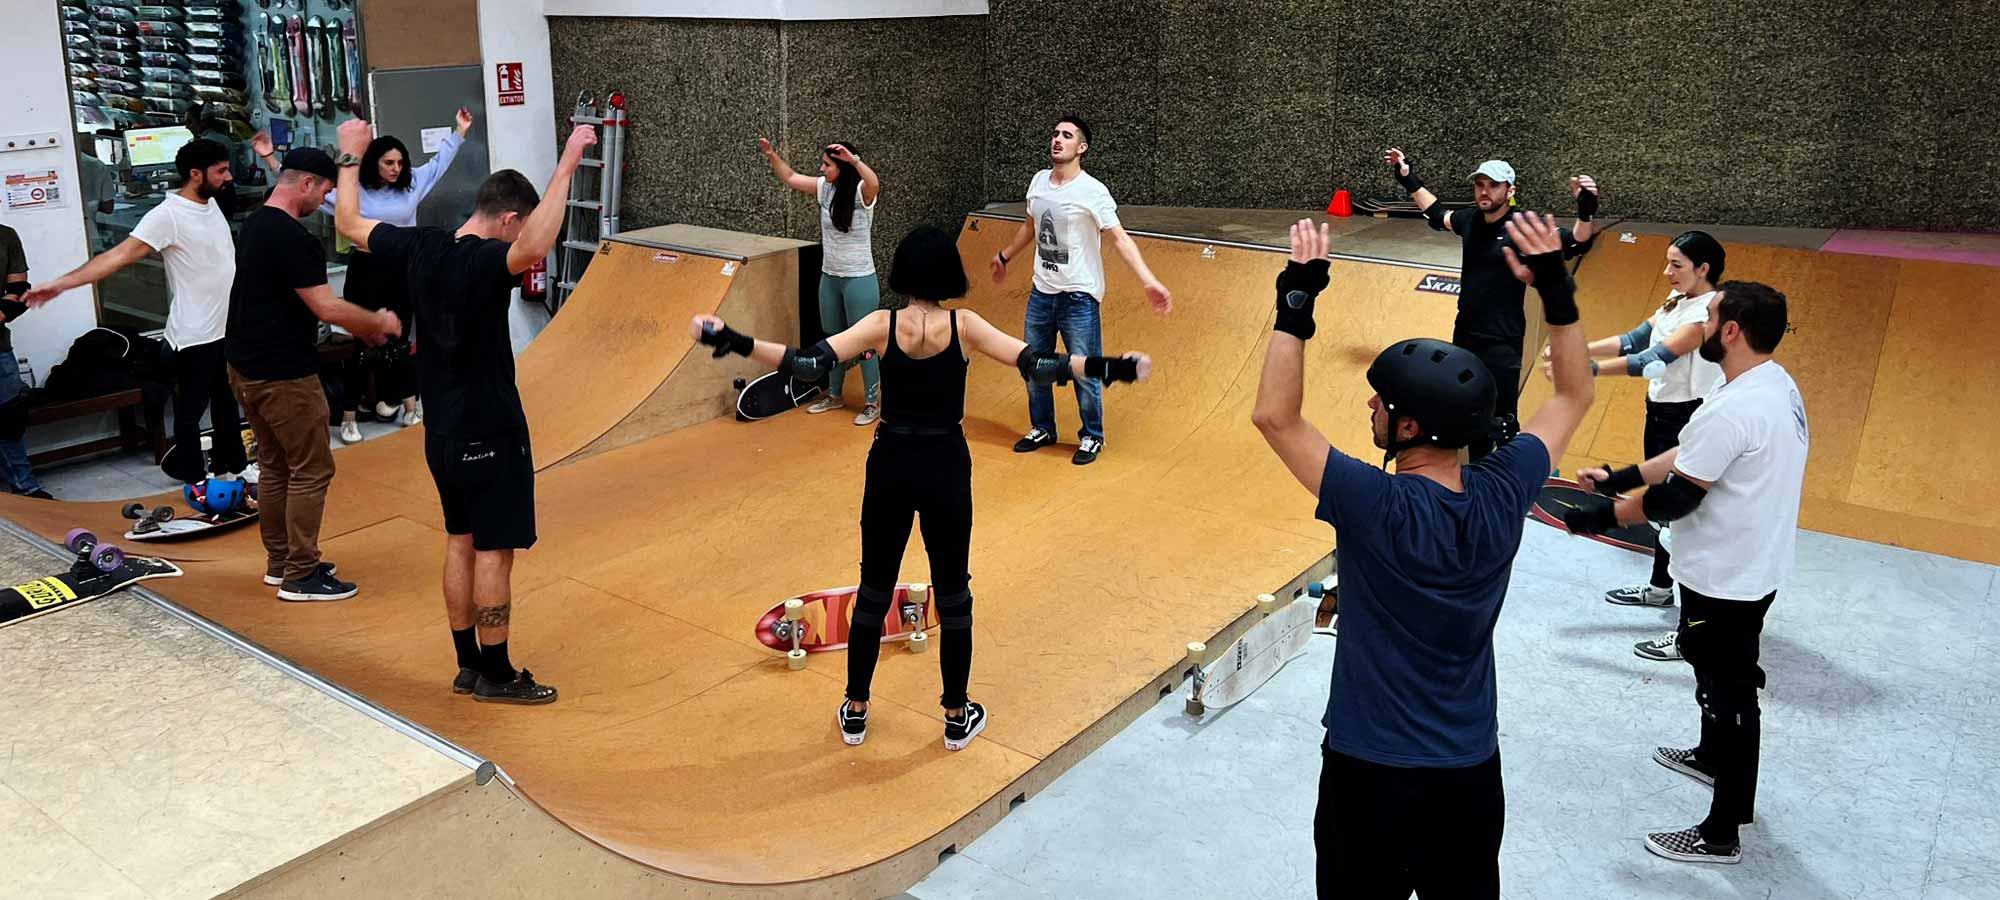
1410,789
279,298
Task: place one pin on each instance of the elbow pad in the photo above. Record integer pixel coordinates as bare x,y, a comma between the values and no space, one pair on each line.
1045,368
14,289
1635,363
1574,248
1636,338
809,365
1435,216
1672,499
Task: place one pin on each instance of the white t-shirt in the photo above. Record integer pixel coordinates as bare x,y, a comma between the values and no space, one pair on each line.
846,254
1689,377
201,264
1069,251
1749,439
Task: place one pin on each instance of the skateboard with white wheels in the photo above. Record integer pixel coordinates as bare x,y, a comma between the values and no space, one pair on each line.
819,621
99,569
1222,679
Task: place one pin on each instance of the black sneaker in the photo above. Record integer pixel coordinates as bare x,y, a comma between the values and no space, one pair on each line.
1683,761
853,725
522,690
321,586
39,494
1087,450
1641,595
1034,440
1687,845
960,731
467,680
326,568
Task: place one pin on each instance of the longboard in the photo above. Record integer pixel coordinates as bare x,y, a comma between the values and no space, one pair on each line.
84,582
163,524
1226,678
295,62
350,39
1560,495
819,621
772,393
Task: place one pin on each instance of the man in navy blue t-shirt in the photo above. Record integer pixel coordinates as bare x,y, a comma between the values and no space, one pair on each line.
1410,790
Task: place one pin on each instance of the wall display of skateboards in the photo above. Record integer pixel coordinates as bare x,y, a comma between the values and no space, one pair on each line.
236,63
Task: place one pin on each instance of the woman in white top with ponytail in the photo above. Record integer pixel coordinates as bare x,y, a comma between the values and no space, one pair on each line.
1662,351
846,190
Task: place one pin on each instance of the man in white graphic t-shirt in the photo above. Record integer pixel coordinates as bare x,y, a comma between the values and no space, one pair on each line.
190,232
1732,491
1069,215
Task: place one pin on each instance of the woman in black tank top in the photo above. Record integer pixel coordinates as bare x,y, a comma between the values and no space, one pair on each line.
919,466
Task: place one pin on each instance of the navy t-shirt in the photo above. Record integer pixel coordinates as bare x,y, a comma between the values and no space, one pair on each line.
1423,570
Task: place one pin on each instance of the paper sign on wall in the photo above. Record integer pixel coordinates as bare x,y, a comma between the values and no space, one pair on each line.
433,138
513,86
33,189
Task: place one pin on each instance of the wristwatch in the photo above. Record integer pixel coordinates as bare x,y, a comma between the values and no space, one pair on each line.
346,159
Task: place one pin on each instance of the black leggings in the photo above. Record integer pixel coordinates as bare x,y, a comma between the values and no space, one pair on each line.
1381,831
1664,422
928,476
1503,360
1719,639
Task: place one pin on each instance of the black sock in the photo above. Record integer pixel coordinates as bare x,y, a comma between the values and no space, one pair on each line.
467,643
494,664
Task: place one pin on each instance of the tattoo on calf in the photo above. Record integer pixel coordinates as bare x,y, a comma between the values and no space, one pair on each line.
495,616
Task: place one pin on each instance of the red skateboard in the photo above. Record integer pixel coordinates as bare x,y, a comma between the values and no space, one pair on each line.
819,621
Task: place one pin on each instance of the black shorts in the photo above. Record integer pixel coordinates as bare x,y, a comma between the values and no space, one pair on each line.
487,487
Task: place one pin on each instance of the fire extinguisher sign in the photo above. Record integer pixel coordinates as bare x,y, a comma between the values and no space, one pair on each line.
512,86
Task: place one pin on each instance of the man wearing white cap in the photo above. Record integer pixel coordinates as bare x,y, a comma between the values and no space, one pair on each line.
1492,320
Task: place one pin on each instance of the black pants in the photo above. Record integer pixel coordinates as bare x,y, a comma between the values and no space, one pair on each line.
1719,638
1502,357
1381,832
394,369
927,477
201,384
1664,422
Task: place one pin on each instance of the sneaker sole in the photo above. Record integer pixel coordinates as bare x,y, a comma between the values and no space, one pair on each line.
1660,851
1689,771
516,701
292,597
852,740
1656,657
1667,605
950,744
279,580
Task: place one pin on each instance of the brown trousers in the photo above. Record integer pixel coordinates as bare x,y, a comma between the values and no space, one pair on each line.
295,465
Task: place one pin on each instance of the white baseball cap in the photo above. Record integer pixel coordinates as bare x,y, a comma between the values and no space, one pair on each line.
1496,169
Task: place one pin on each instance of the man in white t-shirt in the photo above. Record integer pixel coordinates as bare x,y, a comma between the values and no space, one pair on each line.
1069,215
190,232
1732,491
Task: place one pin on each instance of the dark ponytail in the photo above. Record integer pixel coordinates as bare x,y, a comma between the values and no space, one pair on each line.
846,188
1699,247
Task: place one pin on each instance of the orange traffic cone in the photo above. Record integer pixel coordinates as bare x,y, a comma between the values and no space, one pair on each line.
1342,205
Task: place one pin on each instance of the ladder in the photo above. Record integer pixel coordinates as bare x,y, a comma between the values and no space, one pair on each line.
592,212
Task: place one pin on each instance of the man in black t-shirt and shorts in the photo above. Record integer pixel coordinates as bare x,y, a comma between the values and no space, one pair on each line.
1492,317
476,435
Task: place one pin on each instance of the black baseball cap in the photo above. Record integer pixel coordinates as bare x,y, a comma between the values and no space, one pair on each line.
312,161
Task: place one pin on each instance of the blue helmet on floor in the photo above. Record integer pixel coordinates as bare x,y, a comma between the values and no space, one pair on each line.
215,495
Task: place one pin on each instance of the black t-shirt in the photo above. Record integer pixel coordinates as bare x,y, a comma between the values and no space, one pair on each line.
273,335
1490,298
459,288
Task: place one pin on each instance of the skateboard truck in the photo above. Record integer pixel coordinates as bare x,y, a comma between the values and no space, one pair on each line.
912,610
1197,656
148,522
793,628
91,554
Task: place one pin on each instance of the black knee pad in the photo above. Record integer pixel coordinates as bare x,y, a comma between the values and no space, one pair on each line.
871,606
955,611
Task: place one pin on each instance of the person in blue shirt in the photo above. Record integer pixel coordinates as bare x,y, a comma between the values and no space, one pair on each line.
1410,791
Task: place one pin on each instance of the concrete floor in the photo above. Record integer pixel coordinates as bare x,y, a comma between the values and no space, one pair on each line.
1881,753
133,473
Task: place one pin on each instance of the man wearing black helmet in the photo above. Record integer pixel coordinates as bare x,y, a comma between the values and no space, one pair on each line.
1410,790
1492,318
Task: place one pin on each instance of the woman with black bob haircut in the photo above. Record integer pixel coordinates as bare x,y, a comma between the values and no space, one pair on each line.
919,464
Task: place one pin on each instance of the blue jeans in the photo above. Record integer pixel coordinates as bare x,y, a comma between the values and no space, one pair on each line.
13,428
1073,314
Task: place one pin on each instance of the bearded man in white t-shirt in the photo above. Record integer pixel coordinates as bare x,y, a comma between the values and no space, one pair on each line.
192,235
1732,491
1069,215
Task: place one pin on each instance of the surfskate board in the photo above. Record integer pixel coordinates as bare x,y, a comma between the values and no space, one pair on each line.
1559,495
99,569
819,621
164,523
772,393
296,63
350,41
1223,679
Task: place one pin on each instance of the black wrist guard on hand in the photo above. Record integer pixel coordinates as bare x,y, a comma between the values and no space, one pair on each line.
1596,518
1586,205
1409,182
1111,368
728,340
1621,480
1298,285
1553,283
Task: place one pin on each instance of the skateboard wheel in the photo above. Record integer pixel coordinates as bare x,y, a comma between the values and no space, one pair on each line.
133,510
919,642
1196,651
79,539
1267,604
795,660
107,558
1195,707
1315,590
795,609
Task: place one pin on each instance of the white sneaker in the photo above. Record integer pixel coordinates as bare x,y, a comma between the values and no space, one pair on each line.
384,411
868,415
1665,648
825,404
414,416
350,433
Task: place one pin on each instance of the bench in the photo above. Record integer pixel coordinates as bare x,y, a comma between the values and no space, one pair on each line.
130,436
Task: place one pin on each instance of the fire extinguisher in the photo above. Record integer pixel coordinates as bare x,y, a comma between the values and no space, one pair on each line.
535,282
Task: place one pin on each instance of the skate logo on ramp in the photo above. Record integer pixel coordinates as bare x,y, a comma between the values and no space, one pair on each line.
1438,284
